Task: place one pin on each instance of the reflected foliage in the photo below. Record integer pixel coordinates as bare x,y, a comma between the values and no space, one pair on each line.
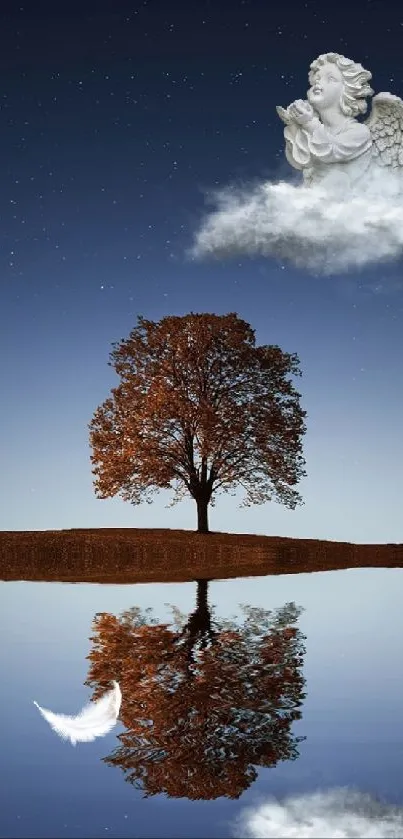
204,701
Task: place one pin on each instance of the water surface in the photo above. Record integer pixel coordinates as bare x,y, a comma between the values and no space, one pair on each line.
350,731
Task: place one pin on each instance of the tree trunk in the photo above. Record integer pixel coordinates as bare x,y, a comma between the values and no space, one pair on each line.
202,519
201,596
198,630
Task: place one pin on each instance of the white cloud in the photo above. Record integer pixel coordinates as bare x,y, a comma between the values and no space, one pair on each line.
318,228
333,814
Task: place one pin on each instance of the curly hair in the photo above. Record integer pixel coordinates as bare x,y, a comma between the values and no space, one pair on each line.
356,88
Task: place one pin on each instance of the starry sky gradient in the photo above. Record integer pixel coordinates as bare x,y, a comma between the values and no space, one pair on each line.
115,120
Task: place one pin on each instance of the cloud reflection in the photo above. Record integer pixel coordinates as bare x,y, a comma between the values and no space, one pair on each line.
333,814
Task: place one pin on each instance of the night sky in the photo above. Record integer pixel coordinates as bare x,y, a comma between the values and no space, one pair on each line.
116,118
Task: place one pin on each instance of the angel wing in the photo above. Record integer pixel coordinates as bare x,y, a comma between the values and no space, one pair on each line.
386,126
95,720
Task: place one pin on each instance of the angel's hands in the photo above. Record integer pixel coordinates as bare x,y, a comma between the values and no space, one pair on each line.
301,112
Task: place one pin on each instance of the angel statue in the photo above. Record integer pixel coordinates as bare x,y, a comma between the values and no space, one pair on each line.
323,136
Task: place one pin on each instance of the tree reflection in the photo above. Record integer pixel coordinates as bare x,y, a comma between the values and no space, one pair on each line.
204,701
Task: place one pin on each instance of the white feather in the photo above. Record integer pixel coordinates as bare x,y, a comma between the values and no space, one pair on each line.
94,720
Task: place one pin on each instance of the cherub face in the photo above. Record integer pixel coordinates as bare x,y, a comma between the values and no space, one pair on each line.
327,87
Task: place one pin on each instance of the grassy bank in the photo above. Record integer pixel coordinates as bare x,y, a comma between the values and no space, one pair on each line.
135,555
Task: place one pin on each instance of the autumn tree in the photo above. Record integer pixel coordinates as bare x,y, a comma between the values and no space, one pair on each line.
204,702
199,407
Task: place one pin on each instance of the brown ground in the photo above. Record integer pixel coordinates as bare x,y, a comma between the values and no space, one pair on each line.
134,555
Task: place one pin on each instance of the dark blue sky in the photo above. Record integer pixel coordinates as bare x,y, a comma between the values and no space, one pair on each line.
115,120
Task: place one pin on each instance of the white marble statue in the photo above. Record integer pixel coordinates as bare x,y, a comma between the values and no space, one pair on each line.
323,137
